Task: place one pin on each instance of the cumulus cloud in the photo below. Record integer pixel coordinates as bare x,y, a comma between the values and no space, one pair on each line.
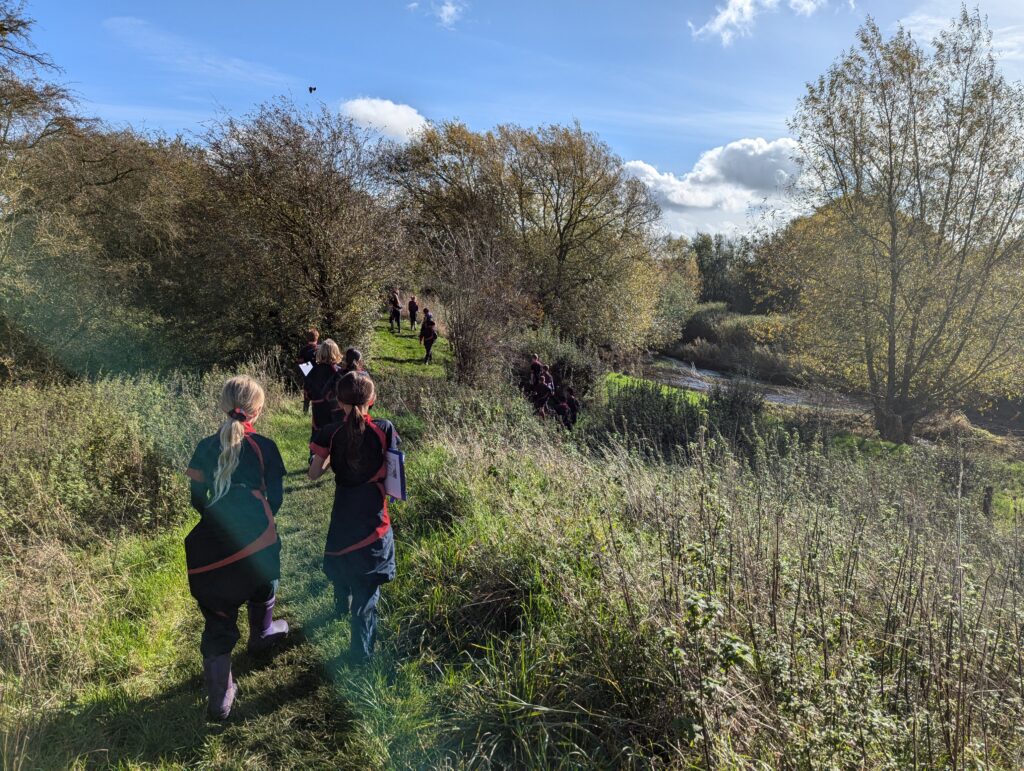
723,184
737,17
398,121
449,12
183,55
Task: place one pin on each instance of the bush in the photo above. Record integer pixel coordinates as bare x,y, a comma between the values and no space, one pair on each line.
704,323
655,419
735,410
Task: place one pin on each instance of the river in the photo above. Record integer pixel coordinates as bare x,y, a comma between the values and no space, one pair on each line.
682,374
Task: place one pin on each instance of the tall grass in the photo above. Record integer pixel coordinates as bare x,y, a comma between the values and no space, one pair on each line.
92,512
789,604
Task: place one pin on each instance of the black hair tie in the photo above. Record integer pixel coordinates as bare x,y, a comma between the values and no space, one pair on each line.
237,414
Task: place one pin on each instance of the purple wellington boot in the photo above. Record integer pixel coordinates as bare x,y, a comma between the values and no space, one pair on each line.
220,686
264,632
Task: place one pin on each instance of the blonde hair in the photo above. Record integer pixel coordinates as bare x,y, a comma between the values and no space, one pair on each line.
328,352
242,399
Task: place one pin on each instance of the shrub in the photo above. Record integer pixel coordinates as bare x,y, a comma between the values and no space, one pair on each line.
734,411
656,419
704,323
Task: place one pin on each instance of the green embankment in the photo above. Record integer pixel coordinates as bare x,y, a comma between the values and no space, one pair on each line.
147,707
566,601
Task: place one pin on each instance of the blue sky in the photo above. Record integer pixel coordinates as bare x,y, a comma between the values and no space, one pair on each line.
694,94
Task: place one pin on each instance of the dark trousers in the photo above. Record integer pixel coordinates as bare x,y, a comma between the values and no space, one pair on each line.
412,319
363,609
396,318
221,631
428,343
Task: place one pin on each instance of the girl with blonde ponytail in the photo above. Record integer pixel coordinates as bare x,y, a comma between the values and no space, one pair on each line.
360,553
233,552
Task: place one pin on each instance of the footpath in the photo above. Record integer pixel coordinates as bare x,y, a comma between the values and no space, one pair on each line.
304,708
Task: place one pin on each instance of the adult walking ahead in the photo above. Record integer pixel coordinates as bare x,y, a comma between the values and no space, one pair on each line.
360,552
414,308
233,554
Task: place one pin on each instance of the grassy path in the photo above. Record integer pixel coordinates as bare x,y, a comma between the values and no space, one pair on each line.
298,710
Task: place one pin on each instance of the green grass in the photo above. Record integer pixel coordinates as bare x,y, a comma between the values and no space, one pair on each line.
618,380
402,353
506,635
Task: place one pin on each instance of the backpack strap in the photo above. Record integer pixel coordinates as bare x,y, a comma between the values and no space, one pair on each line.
259,456
267,538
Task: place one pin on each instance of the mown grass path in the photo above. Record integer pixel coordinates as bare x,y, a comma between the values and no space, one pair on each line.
293,711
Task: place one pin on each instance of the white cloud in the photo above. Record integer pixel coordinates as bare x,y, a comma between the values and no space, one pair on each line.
737,17
398,121
412,6
724,184
449,12
806,7
1006,20
180,54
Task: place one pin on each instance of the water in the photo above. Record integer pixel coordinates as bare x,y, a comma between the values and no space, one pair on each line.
674,372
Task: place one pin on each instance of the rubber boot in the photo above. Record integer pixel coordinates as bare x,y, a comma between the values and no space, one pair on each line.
220,686
264,632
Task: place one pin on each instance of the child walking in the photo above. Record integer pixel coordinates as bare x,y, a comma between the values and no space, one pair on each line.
360,552
233,554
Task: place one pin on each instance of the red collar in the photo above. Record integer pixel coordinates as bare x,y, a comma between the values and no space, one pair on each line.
248,427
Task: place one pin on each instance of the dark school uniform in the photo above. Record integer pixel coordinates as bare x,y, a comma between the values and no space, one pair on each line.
536,368
574,408
233,554
319,388
428,335
360,551
396,312
307,355
414,308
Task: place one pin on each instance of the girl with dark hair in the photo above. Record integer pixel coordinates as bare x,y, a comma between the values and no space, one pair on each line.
360,553
353,361
428,334
233,554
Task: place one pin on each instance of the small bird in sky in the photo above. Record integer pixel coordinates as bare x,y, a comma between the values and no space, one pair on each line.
312,89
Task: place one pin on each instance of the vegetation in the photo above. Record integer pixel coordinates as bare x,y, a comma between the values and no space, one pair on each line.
682,580
910,269
559,597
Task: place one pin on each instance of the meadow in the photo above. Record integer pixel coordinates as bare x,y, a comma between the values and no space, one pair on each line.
602,598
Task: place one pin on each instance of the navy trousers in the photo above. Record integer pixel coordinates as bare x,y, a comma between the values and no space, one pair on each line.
363,609
221,631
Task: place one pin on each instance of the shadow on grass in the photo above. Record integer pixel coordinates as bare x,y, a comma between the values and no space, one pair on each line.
285,715
396,360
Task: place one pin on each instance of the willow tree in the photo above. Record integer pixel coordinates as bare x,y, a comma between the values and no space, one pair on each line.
912,272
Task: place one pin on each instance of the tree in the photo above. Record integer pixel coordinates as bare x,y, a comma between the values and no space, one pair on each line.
911,272
678,288
309,220
582,225
452,179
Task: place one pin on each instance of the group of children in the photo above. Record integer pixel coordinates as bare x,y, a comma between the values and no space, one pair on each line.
428,329
547,398
237,486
